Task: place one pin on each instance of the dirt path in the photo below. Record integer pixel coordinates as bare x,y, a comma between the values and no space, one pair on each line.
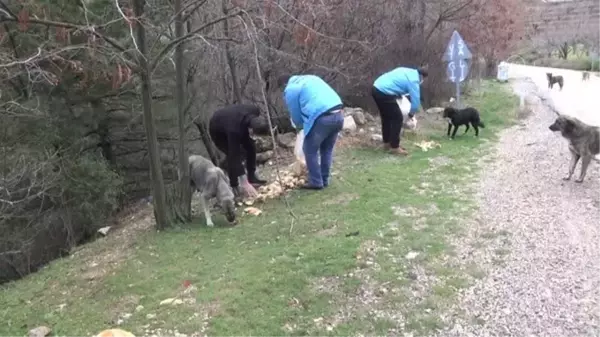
536,239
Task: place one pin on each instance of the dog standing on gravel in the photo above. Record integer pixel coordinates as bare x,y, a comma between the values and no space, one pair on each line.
555,79
585,76
458,117
584,142
211,182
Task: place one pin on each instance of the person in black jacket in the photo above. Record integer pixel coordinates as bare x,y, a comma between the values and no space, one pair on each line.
229,129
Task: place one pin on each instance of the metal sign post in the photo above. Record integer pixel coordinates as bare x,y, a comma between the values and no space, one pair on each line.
458,56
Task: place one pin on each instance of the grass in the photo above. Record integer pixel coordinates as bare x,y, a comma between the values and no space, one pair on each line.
257,279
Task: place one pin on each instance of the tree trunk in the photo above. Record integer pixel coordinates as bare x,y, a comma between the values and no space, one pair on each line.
212,153
185,192
237,94
104,132
490,67
158,184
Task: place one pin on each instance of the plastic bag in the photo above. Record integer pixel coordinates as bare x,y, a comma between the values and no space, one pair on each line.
404,105
298,152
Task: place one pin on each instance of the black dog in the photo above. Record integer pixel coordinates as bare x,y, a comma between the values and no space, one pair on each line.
555,79
458,117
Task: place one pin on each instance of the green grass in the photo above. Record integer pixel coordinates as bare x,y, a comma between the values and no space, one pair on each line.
258,279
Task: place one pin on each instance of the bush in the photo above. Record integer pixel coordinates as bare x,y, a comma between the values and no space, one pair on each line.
49,205
575,64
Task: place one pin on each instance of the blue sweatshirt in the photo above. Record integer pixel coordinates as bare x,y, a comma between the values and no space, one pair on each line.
307,97
401,81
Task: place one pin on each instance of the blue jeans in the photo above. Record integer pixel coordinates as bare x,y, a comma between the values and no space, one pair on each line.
319,144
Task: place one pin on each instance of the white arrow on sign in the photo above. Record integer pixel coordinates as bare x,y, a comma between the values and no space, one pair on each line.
452,68
462,66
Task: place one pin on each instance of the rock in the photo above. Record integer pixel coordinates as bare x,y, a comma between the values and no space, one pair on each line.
287,140
40,331
435,110
412,255
264,157
359,117
369,117
171,301
377,137
104,230
349,124
263,144
115,333
382,291
361,131
349,111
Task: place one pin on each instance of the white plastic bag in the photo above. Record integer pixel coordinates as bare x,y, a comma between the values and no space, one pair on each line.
298,152
404,104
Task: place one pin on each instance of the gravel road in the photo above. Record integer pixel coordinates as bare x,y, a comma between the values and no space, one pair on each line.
537,237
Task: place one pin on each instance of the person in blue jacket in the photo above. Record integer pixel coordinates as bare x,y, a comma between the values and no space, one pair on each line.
386,89
315,107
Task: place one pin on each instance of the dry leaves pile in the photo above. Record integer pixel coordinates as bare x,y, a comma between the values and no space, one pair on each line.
291,178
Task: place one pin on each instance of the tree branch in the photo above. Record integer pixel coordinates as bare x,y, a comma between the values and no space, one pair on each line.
187,36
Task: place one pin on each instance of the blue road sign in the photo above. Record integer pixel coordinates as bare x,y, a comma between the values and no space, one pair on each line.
457,71
457,49
457,55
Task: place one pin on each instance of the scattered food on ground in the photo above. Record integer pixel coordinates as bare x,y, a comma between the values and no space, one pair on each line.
428,145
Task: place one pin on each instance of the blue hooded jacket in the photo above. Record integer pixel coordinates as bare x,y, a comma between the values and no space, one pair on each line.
307,97
401,81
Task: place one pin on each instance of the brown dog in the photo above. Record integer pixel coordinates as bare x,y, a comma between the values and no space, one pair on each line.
584,142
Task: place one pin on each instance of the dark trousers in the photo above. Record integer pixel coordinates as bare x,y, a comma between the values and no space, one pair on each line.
220,141
391,117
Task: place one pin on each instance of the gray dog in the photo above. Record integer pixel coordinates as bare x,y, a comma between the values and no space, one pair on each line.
584,142
211,182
